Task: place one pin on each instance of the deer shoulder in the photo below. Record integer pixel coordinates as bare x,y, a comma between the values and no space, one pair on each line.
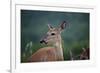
44,54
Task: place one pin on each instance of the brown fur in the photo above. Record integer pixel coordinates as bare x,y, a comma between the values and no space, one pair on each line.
44,54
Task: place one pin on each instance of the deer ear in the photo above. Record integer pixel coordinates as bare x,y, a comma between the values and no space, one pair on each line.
50,27
63,25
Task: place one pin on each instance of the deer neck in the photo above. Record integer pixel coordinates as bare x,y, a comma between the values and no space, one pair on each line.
59,50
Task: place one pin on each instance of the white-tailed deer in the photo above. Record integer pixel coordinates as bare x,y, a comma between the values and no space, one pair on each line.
55,51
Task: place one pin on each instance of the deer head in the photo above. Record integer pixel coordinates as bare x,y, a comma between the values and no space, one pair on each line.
53,36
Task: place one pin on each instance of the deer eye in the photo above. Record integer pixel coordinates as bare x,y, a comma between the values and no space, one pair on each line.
52,33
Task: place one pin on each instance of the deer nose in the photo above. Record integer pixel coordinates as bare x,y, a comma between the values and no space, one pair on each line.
42,41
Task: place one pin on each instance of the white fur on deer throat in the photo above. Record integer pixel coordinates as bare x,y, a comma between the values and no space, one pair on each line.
58,47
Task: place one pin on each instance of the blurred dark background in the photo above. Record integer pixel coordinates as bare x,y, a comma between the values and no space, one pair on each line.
34,26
